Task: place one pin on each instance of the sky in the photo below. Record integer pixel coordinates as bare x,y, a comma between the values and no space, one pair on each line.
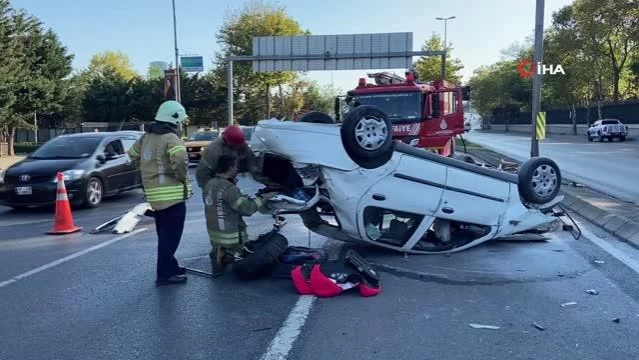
143,29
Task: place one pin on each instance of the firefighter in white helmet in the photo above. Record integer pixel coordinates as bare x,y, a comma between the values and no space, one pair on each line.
163,161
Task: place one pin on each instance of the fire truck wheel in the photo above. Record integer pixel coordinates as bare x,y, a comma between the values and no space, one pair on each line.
539,180
367,135
317,117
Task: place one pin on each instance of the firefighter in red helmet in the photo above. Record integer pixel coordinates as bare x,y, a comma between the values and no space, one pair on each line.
232,143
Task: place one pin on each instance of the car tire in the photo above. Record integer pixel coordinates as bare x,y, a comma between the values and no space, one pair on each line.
93,193
622,138
367,136
539,180
589,137
317,117
599,137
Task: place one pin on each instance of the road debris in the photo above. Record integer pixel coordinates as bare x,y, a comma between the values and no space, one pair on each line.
600,262
480,326
617,320
592,292
539,327
568,304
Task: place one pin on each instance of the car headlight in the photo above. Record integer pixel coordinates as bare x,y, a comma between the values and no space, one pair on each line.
70,175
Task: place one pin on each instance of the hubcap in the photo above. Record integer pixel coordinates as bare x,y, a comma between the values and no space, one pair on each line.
94,192
544,180
371,133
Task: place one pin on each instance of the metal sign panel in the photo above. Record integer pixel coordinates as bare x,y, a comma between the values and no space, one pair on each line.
192,63
333,52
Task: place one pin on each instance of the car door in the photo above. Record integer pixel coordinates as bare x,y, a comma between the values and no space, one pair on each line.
133,176
116,164
397,210
472,197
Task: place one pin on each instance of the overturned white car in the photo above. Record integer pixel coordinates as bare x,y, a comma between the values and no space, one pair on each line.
394,195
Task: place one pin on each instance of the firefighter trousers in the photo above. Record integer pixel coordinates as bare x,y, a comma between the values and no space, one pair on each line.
169,224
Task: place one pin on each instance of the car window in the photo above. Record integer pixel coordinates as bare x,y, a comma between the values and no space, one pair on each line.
203,136
610,122
114,148
127,143
64,147
247,133
390,226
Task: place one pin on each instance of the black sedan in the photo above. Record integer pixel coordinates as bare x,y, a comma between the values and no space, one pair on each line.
95,166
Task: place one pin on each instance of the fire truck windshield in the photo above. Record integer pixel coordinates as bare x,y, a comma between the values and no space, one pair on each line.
397,105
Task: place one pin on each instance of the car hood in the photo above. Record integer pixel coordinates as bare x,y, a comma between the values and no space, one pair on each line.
42,167
196,143
309,143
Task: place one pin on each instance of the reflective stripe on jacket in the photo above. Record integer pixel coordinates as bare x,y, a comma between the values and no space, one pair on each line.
163,162
225,205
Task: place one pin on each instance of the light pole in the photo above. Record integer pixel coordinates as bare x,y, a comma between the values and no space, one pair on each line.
178,95
445,20
536,95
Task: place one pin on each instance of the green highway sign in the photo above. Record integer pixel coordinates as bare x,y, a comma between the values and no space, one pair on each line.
192,63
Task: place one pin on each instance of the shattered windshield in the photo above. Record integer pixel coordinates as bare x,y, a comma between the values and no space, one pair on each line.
398,106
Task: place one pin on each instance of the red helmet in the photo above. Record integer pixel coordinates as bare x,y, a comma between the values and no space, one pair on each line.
233,136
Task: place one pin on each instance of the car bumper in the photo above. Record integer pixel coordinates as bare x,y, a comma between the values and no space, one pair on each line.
194,157
614,134
42,194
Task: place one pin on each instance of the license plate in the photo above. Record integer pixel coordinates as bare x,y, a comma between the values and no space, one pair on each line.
24,190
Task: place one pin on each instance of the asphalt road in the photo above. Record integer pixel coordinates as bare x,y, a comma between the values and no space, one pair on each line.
610,167
102,303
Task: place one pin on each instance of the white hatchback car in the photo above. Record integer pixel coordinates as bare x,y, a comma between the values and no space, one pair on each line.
394,195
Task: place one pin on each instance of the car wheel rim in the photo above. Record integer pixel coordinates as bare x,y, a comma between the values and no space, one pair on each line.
94,192
544,180
371,133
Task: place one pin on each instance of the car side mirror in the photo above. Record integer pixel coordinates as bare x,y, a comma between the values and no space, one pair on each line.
101,158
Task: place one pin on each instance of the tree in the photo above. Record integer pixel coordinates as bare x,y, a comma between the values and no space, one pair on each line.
235,36
112,61
108,98
429,68
35,67
611,30
155,72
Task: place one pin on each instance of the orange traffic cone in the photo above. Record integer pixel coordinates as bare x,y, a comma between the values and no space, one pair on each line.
63,218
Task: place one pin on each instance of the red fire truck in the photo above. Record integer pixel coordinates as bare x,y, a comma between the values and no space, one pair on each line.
425,115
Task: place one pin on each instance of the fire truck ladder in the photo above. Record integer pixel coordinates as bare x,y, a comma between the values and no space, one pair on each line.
386,78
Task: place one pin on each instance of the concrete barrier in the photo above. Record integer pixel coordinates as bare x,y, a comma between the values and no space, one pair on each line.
558,129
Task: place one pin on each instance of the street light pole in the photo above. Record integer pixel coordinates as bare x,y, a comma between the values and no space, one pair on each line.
445,43
178,95
536,95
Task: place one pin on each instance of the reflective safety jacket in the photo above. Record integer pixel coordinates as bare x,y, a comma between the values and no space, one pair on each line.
206,168
225,205
163,161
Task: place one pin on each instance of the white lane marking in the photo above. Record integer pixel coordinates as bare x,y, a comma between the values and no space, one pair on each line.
283,341
23,222
67,258
604,245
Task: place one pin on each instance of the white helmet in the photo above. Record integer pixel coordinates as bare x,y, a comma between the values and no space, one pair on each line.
171,112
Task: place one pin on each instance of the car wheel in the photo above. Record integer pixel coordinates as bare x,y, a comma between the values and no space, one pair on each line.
539,180
589,137
367,136
317,117
622,138
93,193
599,137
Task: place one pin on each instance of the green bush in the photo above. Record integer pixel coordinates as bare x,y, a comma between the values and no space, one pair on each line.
25,148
